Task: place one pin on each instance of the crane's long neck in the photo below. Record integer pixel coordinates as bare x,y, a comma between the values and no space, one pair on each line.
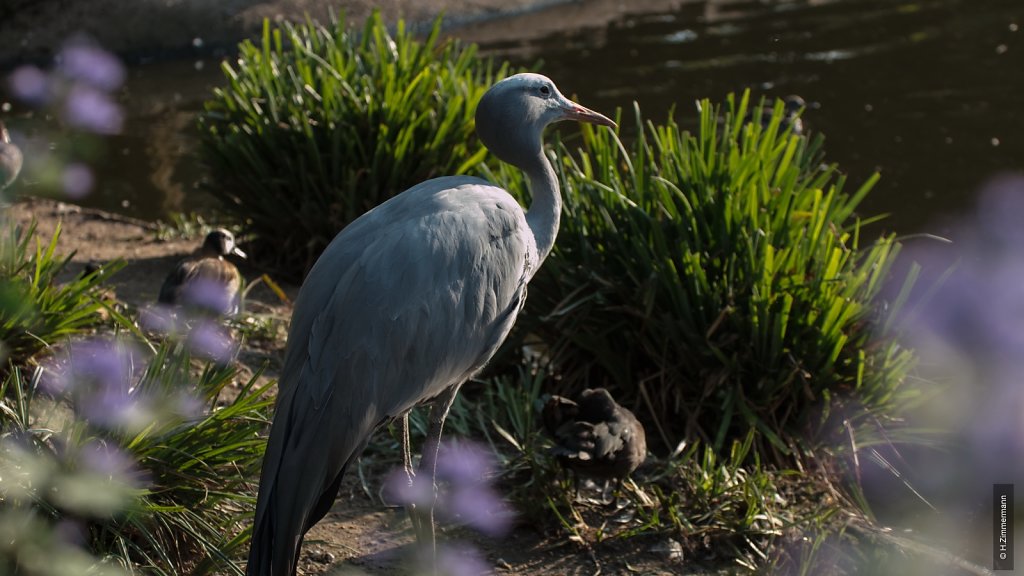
544,212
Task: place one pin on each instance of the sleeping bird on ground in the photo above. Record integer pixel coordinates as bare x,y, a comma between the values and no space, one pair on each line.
594,436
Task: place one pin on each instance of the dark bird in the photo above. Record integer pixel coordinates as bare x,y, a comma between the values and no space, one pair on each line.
406,303
206,280
793,105
594,436
10,158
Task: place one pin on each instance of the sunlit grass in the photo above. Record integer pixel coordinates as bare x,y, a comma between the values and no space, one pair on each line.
39,305
319,123
171,490
720,282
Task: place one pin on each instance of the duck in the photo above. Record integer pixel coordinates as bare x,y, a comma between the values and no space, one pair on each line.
792,106
594,436
207,281
11,158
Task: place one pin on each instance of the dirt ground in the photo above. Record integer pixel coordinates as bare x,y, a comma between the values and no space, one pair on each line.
360,535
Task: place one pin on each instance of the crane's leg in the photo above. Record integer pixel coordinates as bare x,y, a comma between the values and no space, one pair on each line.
425,534
415,515
407,448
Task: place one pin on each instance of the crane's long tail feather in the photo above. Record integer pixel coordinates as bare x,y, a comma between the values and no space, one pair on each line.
296,490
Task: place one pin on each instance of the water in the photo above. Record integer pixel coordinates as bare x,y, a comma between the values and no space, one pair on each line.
926,92
929,93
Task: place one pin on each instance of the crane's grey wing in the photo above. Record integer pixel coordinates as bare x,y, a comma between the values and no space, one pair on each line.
411,298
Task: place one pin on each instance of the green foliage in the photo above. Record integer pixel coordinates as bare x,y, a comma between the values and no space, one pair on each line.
720,280
169,491
725,509
36,307
319,124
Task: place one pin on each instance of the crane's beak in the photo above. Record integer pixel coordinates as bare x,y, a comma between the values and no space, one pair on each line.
574,111
238,252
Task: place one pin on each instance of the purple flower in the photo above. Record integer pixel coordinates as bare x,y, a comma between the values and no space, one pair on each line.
464,462
93,110
208,294
461,560
97,374
398,489
87,363
78,180
92,65
30,84
211,341
105,460
160,319
478,507
187,405
465,495
971,330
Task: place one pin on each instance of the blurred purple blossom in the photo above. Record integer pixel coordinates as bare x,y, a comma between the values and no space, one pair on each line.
30,84
86,361
93,110
979,308
462,462
88,63
399,490
106,460
461,560
209,295
212,341
78,180
187,405
160,319
971,332
467,498
479,507
97,375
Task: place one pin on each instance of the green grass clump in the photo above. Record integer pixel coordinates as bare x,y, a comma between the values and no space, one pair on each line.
165,491
318,124
718,281
37,305
117,455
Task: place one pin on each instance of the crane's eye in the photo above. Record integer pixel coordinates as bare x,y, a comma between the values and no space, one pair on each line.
545,91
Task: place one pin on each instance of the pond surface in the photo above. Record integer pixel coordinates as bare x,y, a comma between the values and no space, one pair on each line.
929,92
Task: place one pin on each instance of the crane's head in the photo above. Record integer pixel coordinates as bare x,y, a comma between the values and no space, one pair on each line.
221,242
512,115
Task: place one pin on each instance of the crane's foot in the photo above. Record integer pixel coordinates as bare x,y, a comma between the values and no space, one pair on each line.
422,518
